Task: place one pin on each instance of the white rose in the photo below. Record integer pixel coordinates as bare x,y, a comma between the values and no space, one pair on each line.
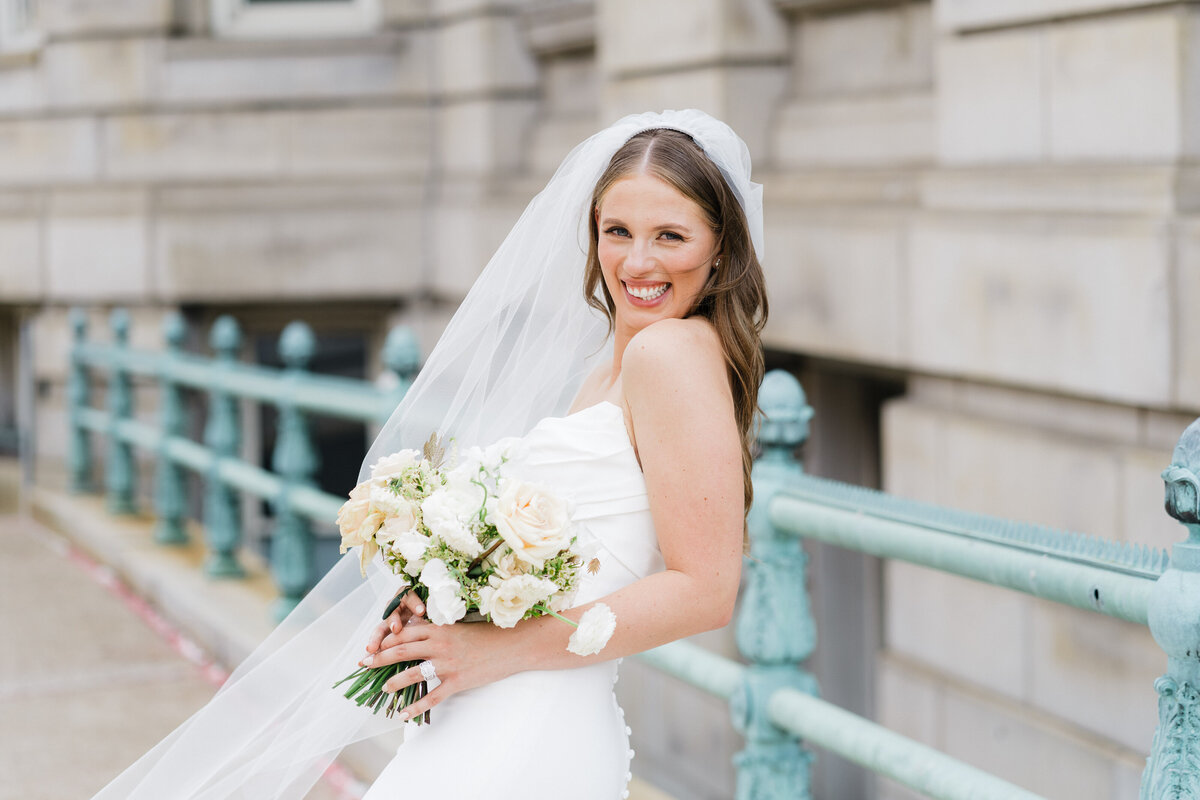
596,627
445,604
507,601
450,512
533,522
390,466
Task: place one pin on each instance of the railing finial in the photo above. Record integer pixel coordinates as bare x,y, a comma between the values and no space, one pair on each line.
1174,617
297,344
400,352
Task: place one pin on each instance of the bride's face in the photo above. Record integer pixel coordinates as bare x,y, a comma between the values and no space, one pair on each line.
655,248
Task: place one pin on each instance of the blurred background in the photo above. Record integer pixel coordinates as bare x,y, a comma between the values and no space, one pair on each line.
983,252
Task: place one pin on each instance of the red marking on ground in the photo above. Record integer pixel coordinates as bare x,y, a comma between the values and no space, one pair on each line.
343,783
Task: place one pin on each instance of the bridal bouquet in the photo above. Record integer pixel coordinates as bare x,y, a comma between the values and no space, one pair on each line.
471,539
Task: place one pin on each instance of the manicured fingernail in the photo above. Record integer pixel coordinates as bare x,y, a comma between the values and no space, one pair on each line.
404,716
420,609
395,627
366,662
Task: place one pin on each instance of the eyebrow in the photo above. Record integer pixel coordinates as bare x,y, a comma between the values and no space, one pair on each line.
671,226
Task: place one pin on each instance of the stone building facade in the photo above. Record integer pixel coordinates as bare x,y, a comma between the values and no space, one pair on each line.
983,247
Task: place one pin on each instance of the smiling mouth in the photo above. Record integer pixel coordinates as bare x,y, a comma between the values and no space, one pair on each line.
647,293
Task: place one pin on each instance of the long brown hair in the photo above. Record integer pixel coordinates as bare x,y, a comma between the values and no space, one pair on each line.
734,299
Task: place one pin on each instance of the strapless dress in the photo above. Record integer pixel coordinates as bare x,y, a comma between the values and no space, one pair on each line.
553,734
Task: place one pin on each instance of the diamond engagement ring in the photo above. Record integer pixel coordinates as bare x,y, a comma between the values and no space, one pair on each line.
432,681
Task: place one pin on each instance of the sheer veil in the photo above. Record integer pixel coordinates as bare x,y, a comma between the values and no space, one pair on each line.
516,351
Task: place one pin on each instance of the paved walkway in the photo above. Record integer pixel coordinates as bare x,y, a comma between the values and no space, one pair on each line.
90,676
85,685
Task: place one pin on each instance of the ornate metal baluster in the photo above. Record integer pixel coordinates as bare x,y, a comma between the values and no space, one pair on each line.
295,460
119,471
775,628
222,514
1173,768
170,496
79,397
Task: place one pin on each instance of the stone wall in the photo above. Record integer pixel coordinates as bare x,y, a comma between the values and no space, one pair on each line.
990,205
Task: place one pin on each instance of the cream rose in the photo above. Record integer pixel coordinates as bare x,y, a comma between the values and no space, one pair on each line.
390,466
358,523
508,600
533,522
387,502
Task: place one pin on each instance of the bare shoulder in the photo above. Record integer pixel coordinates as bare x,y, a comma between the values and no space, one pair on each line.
676,360
674,344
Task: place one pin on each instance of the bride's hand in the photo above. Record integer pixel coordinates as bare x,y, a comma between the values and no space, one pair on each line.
465,655
410,608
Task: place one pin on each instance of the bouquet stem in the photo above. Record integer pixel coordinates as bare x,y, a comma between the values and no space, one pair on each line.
366,689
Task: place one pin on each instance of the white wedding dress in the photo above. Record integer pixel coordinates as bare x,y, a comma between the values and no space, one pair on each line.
555,734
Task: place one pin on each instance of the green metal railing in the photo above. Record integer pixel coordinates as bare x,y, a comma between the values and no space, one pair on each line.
288,485
772,698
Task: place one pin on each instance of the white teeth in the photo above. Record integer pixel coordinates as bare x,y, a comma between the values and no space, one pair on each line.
647,292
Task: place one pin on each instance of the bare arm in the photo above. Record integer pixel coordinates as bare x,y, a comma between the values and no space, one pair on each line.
675,385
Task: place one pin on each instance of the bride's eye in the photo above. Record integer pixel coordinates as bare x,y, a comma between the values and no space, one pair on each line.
672,236
617,230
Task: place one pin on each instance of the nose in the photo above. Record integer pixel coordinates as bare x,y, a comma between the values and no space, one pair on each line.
639,259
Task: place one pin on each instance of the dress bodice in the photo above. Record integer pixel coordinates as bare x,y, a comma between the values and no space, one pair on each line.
588,458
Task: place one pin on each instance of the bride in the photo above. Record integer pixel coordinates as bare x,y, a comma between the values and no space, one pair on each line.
615,333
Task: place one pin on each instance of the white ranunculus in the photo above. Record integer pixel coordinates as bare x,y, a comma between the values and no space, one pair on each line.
445,604
491,457
390,466
533,522
451,511
507,601
411,546
596,627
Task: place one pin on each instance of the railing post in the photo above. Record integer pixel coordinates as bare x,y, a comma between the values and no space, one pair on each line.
294,460
79,397
1173,768
222,518
775,629
169,494
119,470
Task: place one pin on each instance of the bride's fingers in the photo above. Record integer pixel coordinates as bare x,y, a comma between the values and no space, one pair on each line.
410,607
425,703
402,679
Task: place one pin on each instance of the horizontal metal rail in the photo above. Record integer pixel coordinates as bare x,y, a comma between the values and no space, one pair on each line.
320,394
1116,593
848,735
312,503
886,752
